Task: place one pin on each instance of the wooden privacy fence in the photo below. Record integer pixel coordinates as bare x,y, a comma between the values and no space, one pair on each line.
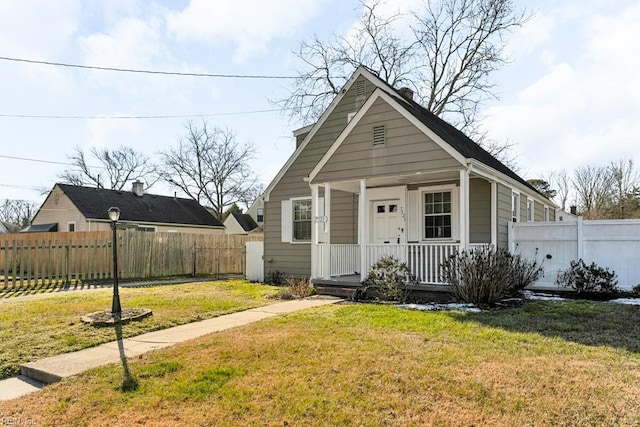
46,259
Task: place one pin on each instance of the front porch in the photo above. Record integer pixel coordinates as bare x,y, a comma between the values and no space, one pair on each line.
342,264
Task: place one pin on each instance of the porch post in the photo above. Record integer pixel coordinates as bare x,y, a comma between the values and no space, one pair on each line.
464,209
362,228
494,215
316,265
326,224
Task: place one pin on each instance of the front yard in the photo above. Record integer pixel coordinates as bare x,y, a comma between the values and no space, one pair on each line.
38,328
546,363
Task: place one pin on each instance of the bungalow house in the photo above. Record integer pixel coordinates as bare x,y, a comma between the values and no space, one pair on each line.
378,174
76,208
248,223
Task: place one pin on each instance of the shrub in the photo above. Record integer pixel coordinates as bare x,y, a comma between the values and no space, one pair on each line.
275,277
296,288
636,289
389,280
485,276
585,278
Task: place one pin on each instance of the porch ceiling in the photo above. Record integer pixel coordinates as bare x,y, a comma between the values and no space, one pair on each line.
394,180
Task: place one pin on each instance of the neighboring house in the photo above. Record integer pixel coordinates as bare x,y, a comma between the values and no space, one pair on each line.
562,215
239,223
248,223
75,208
378,174
6,227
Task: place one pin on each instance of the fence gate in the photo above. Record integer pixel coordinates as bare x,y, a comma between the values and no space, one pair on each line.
254,262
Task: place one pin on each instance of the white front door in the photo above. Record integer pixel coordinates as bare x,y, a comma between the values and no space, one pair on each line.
386,227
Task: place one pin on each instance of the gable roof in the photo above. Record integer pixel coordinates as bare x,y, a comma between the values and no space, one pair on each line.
313,128
447,133
245,221
93,203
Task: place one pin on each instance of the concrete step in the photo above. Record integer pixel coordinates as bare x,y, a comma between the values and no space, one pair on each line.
39,375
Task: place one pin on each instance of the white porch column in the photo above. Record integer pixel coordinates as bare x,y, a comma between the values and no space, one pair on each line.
494,215
363,238
316,265
464,209
326,224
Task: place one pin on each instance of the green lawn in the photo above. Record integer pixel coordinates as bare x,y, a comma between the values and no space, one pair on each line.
546,363
42,327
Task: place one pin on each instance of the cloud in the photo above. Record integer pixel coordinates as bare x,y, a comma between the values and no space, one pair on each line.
584,108
248,25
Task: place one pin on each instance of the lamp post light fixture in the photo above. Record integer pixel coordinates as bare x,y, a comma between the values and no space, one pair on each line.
116,309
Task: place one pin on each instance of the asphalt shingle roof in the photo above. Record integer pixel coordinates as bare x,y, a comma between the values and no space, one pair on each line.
93,203
246,222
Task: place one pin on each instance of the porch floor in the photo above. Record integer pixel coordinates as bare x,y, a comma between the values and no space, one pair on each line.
345,286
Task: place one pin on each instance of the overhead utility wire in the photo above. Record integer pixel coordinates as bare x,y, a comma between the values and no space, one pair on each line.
165,116
130,70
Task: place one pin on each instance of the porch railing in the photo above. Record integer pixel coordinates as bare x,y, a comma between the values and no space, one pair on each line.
424,260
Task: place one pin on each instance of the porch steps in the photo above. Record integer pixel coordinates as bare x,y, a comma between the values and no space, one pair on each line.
335,290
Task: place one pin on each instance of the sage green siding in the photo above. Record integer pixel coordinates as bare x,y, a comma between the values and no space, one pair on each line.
479,211
504,215
538,211
344,217
407,150
296,258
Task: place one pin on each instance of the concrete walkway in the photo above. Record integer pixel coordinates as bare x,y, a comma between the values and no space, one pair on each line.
35,375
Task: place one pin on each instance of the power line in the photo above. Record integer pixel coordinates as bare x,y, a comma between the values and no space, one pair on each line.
130,70
35,160
165,116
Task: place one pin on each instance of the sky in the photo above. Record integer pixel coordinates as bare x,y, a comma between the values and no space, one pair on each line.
569,96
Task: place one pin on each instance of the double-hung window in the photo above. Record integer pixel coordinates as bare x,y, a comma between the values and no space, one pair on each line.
301,220
437,215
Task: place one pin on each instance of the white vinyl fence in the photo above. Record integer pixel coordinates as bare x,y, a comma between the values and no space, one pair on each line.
614,244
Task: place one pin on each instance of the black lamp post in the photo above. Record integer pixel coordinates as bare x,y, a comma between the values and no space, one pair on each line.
114,216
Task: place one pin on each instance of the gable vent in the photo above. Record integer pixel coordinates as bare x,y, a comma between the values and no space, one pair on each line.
361,92
379,135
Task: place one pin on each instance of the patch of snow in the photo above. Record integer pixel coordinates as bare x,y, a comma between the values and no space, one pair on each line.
541,297
470,308
628,301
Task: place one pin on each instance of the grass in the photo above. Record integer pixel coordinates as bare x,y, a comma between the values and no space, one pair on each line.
547,363
41,327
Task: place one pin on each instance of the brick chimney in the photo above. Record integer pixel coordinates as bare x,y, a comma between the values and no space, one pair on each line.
406,93
138,188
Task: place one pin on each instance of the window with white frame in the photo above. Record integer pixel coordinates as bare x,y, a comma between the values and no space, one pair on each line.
302,220
546,214
438,218
260,215
71,226
515,207
530,208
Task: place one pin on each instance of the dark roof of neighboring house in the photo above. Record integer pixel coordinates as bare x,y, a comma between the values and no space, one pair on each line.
93,203
41,228
246,222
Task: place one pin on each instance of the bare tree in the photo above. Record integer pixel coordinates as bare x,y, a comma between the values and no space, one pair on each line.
117,167
625,189
17,212
211,167
593,190
447,58
561,182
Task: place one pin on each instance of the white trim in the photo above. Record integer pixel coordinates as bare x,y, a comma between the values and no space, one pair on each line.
455,211
491,174
75,227
381,94
545,213
494,214
362,228
515,210
361,71
293,200
531,214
